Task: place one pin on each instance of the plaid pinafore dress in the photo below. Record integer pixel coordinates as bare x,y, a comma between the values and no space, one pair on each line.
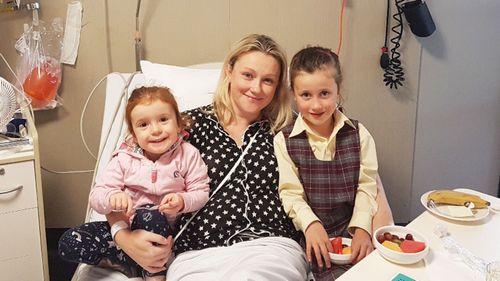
330,186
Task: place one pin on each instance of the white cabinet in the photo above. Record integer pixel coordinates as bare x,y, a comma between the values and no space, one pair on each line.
23,250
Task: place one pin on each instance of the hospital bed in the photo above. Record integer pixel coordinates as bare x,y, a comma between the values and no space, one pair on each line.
192,86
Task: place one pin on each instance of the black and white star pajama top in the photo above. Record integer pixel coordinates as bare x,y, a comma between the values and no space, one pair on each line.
248,205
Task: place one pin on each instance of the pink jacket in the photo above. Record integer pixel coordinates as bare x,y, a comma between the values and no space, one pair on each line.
180,170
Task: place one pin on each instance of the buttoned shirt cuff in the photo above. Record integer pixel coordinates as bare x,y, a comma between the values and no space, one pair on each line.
362,220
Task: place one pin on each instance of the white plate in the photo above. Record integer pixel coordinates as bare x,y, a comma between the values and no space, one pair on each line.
479,214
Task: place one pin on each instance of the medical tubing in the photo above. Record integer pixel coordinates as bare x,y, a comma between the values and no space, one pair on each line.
394,74
467,257
24,97
66,172
249,223
220,184
478,265
99,154
83,114
82,136
341,28
126,82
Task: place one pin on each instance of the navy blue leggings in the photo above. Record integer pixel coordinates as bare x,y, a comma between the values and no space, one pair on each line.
91,242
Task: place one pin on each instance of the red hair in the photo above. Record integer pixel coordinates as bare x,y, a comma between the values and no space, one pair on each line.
147,95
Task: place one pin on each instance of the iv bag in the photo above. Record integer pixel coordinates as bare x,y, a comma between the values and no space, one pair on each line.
39,68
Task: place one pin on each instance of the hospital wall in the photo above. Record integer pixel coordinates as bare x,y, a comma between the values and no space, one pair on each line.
441,129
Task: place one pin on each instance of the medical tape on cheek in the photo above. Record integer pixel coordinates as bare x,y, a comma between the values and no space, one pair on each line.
72,30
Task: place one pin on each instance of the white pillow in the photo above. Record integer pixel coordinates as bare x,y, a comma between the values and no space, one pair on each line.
192,87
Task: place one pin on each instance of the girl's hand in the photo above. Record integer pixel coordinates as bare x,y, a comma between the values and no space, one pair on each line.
361,245
150,250
122,202
317,241
171,204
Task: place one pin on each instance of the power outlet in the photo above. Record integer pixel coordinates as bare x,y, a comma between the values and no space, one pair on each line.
402,277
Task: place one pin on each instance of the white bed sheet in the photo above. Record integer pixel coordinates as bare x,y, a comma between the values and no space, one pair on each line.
114,129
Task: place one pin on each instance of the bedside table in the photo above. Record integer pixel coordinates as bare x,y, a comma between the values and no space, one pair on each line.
23,248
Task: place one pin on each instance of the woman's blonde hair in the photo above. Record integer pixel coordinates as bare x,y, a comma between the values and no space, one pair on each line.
278,112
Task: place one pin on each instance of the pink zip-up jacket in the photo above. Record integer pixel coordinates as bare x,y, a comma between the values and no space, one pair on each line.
179,170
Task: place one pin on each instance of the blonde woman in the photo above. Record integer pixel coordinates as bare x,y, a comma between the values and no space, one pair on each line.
242,232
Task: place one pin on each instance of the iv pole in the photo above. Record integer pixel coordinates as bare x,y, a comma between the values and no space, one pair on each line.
138,39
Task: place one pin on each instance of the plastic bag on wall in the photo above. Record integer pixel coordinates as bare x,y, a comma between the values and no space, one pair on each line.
39,68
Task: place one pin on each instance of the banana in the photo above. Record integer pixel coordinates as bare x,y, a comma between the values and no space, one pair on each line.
458,198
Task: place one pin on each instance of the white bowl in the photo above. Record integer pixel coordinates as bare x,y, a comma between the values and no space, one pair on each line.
341,259
399,257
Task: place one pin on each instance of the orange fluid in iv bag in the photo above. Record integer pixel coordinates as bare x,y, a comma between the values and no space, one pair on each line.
41,85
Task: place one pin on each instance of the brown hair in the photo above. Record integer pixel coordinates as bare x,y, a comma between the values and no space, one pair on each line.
311,59
278,112
147,95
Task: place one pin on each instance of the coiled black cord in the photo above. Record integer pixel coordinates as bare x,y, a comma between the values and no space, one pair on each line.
394,74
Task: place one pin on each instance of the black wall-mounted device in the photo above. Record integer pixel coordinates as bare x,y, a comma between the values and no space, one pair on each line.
419,18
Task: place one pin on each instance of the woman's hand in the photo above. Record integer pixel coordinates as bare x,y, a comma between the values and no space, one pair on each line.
361,245
151,251
171,204
317,241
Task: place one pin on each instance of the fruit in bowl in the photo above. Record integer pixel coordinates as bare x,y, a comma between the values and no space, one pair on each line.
342,250
400,244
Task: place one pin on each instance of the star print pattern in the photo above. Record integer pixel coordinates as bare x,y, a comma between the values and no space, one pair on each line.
248,205
91,243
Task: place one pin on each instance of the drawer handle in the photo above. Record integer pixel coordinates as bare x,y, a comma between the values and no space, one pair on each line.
19,187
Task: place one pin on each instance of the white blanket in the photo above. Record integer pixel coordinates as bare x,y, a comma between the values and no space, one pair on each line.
264,259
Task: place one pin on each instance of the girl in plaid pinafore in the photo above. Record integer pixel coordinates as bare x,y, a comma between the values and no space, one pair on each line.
327,164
